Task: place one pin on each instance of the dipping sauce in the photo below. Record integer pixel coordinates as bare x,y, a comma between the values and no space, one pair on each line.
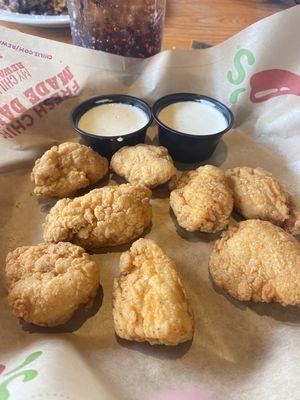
113,119
193,118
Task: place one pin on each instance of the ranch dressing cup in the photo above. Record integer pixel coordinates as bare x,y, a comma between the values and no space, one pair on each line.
129,28
107,123
190,125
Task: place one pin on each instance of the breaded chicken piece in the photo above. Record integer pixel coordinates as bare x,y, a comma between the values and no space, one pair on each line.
108,216
149,300
180,179
66,168
292,224
48,282
202,200
143,163
258,261
257,194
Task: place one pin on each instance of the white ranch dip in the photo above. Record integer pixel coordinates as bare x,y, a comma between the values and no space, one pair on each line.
113,119
193,117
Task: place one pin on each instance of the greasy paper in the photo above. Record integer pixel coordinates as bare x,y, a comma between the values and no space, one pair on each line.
239,351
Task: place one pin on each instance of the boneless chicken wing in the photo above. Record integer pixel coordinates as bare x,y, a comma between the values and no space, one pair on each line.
257,194
143,163
108,216
66,168
258,261
202,199
48,282
149,301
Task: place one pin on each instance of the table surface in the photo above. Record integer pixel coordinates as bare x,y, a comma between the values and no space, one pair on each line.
210,21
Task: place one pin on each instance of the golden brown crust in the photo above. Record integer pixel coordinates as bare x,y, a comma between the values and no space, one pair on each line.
292,224
48,282
149,301
202,200
143,163
66,168
180,179
257,194
258,261
108,216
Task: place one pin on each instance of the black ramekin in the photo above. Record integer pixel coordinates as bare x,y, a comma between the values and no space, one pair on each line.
108,145
185,147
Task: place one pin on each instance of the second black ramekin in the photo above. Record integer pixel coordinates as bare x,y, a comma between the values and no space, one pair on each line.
185,147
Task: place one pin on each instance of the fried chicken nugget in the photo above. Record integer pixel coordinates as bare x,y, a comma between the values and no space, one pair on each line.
66,168
258,261
143,163
202,200
109,216
180,179
257,194
149,300
48,282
